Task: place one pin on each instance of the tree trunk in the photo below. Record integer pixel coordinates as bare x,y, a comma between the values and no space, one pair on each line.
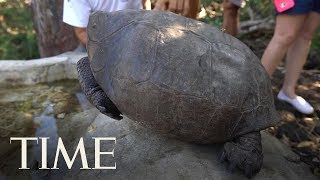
53,36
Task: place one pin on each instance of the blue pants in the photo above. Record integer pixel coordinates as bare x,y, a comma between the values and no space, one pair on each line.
304,7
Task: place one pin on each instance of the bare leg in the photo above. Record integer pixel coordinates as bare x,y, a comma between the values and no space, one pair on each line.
194,9
230,18
298,52
286,31
244,152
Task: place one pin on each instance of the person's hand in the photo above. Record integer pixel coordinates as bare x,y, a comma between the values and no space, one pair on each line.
143,3
182,7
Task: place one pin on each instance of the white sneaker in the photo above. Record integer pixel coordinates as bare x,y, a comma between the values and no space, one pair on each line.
299,103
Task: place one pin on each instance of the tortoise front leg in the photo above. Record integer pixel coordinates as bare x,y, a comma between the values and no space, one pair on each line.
93,91
244,152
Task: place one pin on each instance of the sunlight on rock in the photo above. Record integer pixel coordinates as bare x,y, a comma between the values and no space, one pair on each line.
302,87
287,116
308,121
305,144
316,84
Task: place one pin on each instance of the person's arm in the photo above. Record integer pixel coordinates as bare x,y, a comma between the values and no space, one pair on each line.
76,13
81,34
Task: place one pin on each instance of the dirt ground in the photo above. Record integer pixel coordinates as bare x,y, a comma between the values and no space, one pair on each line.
300,132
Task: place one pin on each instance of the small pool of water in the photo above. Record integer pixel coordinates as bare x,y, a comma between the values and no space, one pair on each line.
53,110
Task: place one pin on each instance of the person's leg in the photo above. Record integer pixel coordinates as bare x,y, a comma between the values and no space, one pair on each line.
298,52
286,31
230,17
194,9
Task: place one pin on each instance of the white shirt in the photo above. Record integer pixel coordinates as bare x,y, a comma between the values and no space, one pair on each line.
76,12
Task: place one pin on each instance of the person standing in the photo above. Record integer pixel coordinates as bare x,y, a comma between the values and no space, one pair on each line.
231,16
76,12
190,8
294,31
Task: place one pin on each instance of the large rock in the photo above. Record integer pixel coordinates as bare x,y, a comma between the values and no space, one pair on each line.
142,154
21,72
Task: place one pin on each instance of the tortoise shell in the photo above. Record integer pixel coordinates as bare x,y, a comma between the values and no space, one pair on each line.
178,76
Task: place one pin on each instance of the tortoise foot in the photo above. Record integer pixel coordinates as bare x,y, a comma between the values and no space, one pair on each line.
245,153
94,92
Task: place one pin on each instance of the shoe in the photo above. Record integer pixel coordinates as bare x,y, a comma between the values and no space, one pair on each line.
298,102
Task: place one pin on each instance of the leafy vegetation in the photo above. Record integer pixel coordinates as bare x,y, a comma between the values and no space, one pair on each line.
253,10
316,41
17,37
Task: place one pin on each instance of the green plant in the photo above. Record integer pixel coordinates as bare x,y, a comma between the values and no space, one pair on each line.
254,9
17,37
316,41
257,9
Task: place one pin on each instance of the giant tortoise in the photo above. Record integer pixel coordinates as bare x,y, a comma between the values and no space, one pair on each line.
179,77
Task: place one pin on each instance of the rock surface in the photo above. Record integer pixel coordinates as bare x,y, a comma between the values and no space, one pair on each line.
22,72
142,154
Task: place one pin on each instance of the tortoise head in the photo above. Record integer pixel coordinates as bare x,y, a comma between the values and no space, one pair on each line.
103,24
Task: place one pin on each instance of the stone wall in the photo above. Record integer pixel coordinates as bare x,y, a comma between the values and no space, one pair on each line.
22,72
